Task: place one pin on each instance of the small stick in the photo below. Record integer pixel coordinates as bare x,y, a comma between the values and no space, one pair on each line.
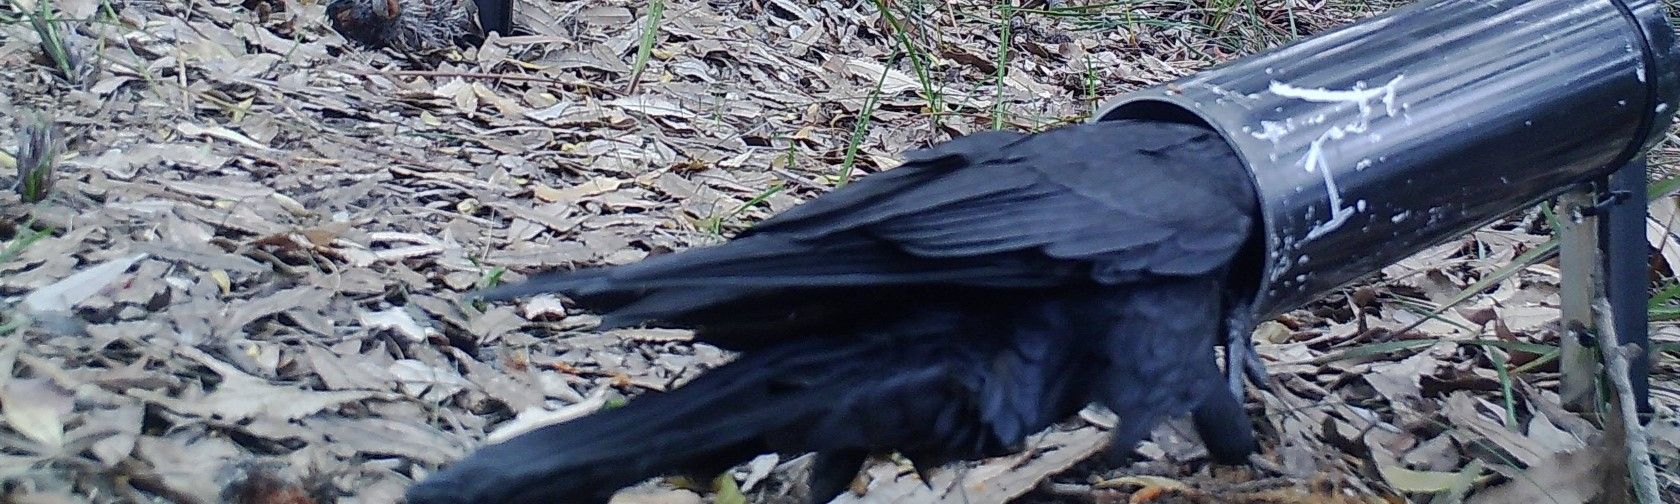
1640,473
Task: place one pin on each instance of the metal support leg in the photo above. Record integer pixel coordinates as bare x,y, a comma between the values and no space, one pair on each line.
1626,270
1578,259
1603,247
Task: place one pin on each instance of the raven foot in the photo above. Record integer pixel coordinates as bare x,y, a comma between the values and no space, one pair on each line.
1241,359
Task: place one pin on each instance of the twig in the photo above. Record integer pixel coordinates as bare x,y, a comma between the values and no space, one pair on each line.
1643,477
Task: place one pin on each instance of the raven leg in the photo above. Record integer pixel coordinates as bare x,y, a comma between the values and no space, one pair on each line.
1224,428
832,472
1241,359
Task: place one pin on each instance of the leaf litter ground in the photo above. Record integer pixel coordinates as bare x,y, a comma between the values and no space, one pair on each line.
257,236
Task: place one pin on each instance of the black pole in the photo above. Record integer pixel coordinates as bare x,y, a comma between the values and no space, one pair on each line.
1627,263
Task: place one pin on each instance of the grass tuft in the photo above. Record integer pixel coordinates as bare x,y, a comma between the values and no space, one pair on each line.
57,42
37,155
919,60
714,224
650,35
866,115
1006,12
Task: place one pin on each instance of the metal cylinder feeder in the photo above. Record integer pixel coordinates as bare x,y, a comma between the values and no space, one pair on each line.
1376,140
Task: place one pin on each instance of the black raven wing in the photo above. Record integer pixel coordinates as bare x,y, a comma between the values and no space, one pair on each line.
1103,203
1128,198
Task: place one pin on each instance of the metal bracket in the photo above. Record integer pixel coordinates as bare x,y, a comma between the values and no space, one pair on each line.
1605,202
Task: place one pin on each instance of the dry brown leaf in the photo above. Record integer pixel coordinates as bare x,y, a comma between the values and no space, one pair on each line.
121,430
37,409
573,194
72,290
389,436
1464,412
240,396
535,417
1562,478
399,320
353,372
430,383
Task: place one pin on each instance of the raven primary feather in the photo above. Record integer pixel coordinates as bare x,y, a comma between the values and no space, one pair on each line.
945,309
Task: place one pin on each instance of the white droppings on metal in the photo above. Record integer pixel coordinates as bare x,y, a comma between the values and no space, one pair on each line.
1400,216
1363,164
1315,159
1359,95
1434,218
1662,107
1246,101
1271,131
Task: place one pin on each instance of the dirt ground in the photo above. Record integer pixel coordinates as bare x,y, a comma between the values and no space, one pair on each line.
244,284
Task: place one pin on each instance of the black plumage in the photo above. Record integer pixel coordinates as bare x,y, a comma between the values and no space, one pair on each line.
420,25
946,309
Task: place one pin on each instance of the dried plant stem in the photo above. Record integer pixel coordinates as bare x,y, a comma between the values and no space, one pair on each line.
1641,475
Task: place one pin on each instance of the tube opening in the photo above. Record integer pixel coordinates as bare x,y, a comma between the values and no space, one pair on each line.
1248,269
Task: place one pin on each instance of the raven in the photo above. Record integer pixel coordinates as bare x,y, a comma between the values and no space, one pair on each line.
946,309
420,25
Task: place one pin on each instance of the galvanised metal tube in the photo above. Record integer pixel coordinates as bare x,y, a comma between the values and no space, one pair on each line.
1379,139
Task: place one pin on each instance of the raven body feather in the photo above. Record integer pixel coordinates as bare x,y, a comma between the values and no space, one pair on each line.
945,309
